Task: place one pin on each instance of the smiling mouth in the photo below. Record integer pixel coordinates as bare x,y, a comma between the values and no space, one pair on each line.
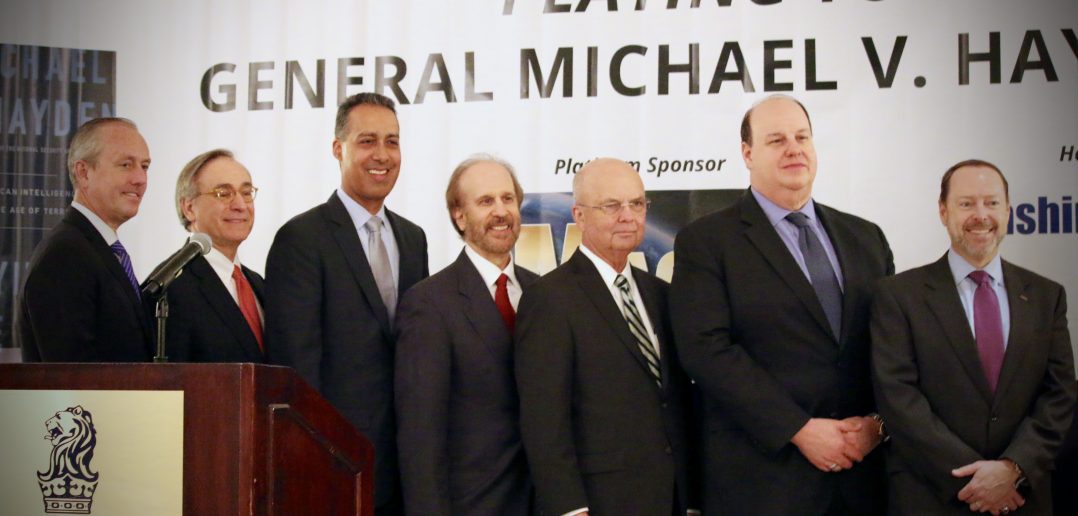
376,172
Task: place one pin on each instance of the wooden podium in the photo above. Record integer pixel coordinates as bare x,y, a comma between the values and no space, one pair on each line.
257,439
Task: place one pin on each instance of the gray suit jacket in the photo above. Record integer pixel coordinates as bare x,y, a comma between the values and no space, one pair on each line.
936,401
457,408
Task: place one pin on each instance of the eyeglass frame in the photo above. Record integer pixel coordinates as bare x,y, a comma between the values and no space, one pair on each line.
218,192
613,208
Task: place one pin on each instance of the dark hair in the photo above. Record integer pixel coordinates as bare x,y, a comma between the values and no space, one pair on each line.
452,192
945,183
746,121
359,99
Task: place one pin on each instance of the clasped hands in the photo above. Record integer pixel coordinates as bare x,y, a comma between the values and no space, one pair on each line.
992,488
833,445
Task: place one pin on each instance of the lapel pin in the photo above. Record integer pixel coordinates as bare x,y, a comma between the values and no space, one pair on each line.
1023,297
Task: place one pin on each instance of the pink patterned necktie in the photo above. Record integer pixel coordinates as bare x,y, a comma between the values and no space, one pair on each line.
988,327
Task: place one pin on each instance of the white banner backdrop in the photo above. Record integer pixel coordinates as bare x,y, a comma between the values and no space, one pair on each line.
898,91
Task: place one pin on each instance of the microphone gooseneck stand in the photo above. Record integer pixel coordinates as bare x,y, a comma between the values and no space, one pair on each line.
162,321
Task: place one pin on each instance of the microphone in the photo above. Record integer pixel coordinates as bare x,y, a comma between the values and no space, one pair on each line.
161,277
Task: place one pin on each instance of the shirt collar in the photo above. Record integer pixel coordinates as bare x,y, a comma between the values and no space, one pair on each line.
107,232
605,270
488,271
960,268
776,213
220,263
359,214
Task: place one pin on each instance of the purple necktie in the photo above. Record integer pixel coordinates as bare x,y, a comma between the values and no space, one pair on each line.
125,262
988,327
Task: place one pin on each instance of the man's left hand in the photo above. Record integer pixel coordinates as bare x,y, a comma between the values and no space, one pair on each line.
991,488
866,437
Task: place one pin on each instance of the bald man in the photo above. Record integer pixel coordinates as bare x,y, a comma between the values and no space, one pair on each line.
602,412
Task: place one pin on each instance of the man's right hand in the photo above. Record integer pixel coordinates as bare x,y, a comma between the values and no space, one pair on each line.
822,442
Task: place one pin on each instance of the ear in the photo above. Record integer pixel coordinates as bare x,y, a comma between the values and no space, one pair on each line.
337,149
578,213
746,153
82,171
187,206
458,218
943,212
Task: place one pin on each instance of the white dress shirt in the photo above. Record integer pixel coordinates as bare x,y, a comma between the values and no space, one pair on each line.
360,216
490,274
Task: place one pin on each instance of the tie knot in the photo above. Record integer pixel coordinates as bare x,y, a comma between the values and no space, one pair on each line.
798,219
981,278
118,248
621,282
374,224
501,281
236,272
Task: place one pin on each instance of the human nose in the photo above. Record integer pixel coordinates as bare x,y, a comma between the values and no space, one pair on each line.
381,153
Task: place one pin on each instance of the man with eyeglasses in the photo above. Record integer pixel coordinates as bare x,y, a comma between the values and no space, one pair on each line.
603,412
80,301
215,306
769,304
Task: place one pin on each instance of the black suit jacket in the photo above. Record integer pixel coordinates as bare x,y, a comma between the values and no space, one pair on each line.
204,323
752,334
937,403
325,318
457,407
597,430
77,304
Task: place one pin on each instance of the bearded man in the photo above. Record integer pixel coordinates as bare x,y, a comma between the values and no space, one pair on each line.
457,434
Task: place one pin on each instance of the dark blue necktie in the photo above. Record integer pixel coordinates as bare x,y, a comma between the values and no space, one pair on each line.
125,262
821,273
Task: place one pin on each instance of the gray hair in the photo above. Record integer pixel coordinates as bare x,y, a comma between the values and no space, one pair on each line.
86,144
185,184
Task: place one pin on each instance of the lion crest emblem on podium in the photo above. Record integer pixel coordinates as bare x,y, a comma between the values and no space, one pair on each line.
68,484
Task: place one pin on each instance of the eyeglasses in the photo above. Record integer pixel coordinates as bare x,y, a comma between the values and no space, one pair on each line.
613,207
225,194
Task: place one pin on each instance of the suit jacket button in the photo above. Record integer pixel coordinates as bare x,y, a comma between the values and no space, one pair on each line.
668,450
663,405
994,419
833,415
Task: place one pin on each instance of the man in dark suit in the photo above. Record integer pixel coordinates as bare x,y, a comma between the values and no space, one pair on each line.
333,276
457,409
215,312
80,300
602,397
769,303
973,366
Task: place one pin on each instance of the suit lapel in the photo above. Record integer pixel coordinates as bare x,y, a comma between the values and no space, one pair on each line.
589,280
847,254
942,299
480,310
216,295
1021,333
345,233
412,264
104,252
763,236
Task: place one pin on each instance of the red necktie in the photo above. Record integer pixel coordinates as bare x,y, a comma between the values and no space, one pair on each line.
501,300
248,305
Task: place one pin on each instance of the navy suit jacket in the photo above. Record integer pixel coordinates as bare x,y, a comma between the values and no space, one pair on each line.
325,318
752,334
77,304
204,323
934,396
457,407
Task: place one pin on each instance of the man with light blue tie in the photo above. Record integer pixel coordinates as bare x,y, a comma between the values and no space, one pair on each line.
972,365
80,301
